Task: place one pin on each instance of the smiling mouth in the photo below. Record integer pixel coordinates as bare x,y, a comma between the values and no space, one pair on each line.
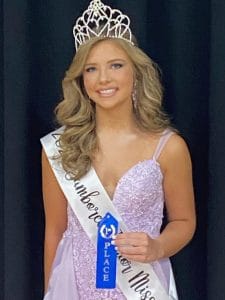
107,92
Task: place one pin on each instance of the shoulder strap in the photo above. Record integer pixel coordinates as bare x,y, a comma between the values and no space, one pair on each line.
162,141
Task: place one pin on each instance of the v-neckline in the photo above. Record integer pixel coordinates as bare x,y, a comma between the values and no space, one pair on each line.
124,175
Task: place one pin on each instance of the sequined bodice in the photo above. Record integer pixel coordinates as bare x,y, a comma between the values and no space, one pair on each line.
139,199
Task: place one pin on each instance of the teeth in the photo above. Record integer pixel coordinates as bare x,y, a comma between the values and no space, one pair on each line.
107,92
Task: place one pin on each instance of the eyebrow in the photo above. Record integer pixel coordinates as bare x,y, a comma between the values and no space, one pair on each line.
108,62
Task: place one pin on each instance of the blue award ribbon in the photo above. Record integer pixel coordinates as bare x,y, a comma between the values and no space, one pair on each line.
106,253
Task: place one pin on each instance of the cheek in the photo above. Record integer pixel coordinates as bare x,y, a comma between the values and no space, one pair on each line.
87,83
128,78
128,82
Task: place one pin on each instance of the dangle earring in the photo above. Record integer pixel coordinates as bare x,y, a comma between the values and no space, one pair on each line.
134,95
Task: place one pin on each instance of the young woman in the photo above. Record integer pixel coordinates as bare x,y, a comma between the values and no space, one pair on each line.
113,124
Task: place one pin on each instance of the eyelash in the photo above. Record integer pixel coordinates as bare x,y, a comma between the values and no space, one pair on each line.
117,65
90,69
113,66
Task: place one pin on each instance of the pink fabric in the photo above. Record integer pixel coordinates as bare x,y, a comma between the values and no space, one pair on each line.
62,283
139,199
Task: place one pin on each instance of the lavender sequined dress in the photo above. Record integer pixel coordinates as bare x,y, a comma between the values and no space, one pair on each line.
139,199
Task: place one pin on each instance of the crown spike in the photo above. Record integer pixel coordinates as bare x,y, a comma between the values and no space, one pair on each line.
101,20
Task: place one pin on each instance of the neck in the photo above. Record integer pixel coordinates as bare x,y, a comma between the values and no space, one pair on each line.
115,121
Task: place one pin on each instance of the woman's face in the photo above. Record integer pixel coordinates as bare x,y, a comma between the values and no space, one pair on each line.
108,76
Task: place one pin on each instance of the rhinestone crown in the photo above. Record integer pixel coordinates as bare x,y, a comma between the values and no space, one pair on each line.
101,20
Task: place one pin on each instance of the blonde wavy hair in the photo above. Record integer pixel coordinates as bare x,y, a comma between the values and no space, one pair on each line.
76,112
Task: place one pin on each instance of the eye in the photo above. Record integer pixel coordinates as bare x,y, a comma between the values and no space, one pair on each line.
90,69
117,65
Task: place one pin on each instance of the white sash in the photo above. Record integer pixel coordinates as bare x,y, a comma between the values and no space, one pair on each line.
90,202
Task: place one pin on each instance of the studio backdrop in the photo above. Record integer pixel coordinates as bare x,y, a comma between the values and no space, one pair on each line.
187,40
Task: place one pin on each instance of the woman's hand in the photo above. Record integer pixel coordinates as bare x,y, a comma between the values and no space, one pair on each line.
138,246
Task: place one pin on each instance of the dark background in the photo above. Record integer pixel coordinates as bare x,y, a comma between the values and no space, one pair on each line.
187,39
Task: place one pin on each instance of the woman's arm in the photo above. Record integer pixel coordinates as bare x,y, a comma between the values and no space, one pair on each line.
179,199
55,207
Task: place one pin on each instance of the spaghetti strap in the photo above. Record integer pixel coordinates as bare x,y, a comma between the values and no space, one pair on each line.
162,141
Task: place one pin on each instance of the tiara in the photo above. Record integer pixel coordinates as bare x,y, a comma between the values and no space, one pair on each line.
101,20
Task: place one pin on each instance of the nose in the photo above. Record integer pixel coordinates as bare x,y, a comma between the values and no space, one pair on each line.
104,76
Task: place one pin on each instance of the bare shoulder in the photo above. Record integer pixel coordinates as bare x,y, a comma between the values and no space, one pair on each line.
175,153
46,168
175,145
44,158
51,188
